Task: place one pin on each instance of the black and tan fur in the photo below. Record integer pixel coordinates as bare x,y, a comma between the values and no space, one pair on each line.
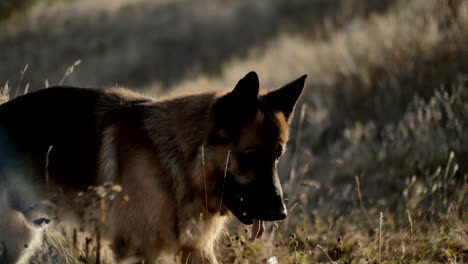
184,164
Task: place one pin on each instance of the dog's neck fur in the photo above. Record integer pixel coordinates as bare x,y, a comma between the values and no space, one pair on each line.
175,143
181,143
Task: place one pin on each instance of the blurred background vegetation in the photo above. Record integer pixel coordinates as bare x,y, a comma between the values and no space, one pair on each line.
381,127
133,38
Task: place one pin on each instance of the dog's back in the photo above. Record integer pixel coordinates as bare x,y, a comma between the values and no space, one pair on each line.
61,118
60,127
51,137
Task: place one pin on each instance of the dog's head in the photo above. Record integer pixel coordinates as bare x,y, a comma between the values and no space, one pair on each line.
255,130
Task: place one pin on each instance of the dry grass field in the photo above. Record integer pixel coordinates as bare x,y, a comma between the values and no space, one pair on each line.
377,167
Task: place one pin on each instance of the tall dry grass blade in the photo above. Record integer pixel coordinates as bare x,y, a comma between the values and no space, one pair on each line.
26,89
104,209
18,86
5,93
188,258
325,253
454,171
69,71
224,178
363,207
75,238
204,180
47,167
224,182
87,245
98,247
410,220
380,237
446,175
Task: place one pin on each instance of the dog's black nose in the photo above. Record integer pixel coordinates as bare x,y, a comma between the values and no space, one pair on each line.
279,213
276,213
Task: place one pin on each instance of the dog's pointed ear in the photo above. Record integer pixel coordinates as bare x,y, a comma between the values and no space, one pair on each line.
243,98
247,87
233,110
284,99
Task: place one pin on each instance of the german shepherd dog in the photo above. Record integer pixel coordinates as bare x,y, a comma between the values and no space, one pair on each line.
181,165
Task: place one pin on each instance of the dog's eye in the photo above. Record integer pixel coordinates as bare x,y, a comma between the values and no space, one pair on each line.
251,154
219,137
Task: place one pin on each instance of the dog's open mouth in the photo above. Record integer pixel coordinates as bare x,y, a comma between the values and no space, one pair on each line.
258,226
257,230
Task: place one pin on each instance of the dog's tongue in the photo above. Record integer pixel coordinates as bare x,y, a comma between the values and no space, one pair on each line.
257,230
